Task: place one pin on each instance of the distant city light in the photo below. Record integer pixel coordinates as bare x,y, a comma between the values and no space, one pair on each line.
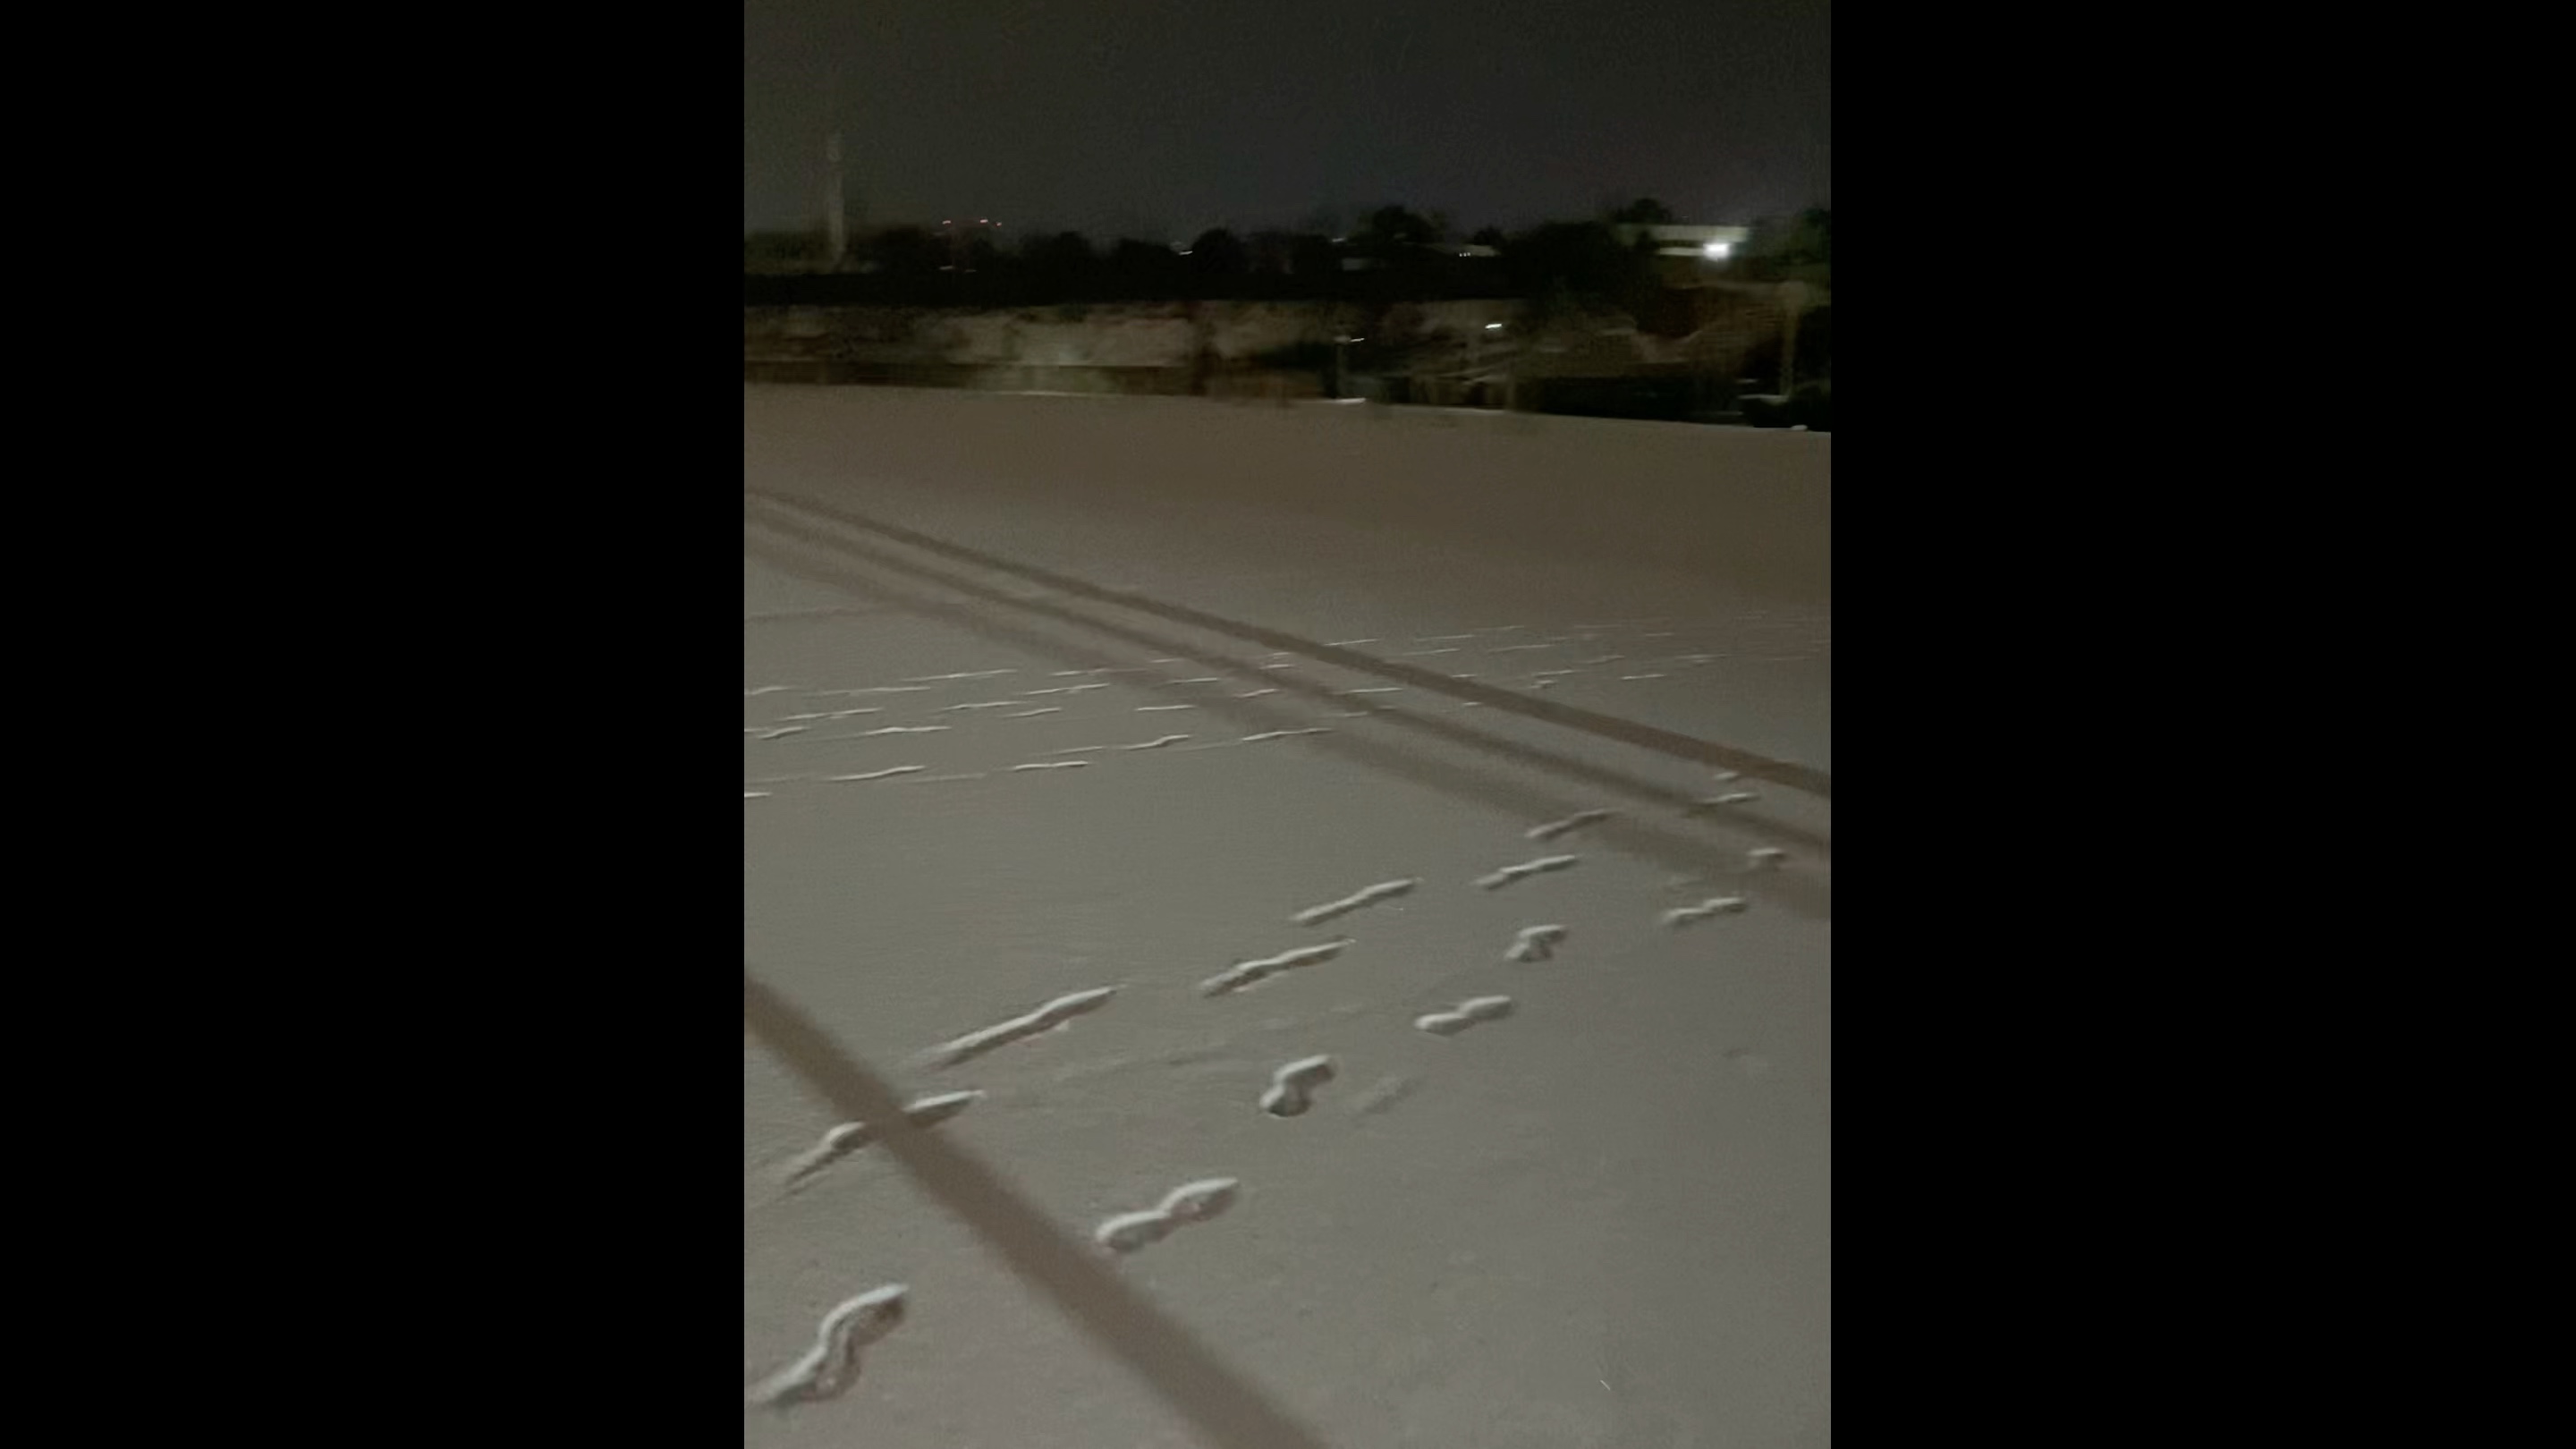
1717,250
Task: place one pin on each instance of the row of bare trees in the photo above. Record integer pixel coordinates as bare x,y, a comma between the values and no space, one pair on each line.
1396,253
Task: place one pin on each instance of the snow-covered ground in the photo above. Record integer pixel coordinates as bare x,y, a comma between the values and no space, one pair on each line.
1598,1216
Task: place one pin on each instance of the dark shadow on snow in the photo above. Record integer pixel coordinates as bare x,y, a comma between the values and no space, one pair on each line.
1697,857
1629,732
1221,1405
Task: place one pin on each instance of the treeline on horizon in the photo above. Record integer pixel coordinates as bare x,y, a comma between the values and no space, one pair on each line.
1400,255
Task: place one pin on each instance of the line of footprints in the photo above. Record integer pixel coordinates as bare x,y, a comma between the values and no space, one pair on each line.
831,1366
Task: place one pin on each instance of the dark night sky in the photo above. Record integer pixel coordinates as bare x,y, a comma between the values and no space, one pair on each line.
1162,117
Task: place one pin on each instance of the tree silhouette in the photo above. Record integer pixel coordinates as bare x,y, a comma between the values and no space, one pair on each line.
1644,211
778,251
1799,248
908,252
1314,259
1395,226
1061,265
1144,269
1581,260
1272,251
1218,253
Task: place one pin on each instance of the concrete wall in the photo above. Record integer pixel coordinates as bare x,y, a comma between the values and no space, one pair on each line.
1125,335
1165,349
1002,377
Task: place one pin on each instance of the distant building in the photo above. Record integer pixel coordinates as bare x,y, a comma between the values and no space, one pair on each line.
1710,243
1466,250
1688,255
